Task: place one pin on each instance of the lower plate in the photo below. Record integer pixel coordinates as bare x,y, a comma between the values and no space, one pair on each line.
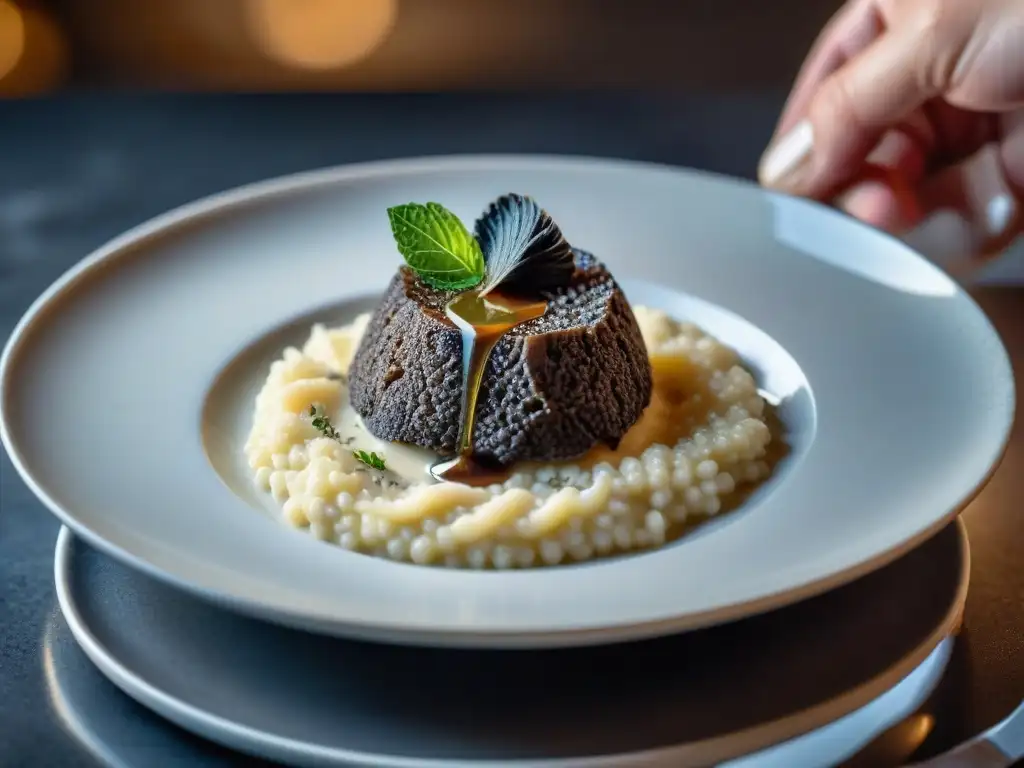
696,699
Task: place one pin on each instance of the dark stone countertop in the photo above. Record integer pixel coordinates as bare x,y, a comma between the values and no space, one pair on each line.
78,170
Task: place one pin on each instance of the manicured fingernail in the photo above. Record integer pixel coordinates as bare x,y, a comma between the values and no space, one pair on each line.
999,214
857,200
883,199
787,155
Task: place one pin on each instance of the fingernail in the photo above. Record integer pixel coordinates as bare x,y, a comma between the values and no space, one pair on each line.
883,199
869,201
993,207
999,214
787,155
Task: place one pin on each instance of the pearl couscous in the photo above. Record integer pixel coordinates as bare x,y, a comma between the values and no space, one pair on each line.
703,436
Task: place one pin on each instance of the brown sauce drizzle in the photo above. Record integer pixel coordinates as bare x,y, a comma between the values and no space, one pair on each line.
482,321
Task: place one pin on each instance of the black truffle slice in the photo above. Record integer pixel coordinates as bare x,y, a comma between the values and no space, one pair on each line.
553,387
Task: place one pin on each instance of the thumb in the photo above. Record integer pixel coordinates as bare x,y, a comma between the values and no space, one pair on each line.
853,107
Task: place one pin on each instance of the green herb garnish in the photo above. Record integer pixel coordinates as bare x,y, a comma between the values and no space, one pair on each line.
372,460
437,246
322,424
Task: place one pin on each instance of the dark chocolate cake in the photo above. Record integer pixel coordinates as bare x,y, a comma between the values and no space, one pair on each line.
553,387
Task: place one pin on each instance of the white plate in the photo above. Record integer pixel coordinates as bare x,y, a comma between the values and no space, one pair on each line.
898,393
690,700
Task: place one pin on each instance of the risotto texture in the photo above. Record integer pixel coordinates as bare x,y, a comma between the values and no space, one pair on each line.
702,438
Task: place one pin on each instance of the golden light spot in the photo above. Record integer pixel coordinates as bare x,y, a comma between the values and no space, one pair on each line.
12,37
319,34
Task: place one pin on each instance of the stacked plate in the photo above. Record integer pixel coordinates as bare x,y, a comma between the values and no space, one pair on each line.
787,632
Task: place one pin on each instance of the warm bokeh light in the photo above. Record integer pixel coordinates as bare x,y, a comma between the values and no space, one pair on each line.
12,37
33,53
319,34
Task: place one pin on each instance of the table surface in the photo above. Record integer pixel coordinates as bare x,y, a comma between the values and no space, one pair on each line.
76,171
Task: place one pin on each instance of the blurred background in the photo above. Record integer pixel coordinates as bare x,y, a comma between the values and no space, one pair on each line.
115,111
403,44
208,94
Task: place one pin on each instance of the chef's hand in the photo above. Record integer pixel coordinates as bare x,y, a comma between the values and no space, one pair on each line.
908,107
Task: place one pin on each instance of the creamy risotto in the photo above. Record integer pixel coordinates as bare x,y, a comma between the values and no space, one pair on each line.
703,436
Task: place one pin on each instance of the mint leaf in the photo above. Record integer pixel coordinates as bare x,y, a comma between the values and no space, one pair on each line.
437,246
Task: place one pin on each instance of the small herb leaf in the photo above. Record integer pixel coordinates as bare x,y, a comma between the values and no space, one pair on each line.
437,246
324,427
322,424
371,460
523,248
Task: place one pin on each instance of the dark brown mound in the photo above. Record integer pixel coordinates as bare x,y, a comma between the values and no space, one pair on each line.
553,387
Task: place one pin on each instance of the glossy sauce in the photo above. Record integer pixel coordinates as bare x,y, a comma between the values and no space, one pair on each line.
482,321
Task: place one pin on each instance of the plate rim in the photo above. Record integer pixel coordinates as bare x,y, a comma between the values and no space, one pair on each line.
221,202
712,751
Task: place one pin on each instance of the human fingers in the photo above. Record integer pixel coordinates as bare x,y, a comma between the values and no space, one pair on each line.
852,108
973,209
989,75
884,193
1011,151
851,30
883,199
